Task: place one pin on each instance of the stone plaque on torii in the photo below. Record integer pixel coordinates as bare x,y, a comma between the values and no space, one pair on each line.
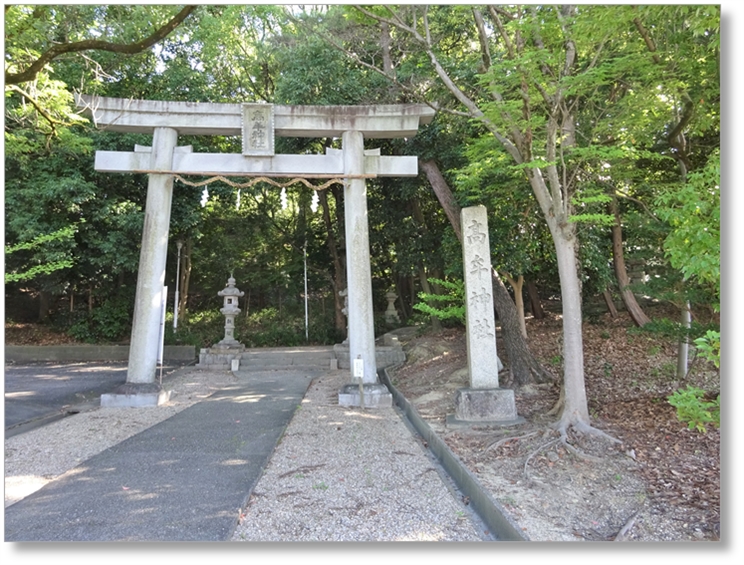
258,124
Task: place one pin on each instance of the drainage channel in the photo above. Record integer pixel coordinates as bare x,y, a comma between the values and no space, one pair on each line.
488,510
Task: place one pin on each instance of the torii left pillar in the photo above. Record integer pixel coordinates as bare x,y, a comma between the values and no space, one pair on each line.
141,388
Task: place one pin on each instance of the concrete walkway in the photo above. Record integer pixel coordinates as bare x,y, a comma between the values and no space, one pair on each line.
184,479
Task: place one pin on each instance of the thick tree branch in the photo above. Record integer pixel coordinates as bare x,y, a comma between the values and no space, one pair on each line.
455,90
95,44
502,31
52,122
647,38
483,37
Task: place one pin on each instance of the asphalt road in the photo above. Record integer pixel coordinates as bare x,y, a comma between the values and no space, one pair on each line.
183,479
39,393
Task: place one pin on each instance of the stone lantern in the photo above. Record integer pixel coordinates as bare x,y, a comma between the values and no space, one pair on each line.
230,310
391,314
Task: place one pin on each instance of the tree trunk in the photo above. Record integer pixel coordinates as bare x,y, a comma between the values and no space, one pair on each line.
535,304
610,304
575,409
45,299
338,270
519,301
524,367
183,283
436,324
411,292
403,296
418,217
631,304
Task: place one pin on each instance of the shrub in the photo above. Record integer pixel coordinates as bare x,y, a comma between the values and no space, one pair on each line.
709,347
449,306
111,321
694,409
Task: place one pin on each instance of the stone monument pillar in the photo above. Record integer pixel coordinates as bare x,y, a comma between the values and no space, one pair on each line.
483,400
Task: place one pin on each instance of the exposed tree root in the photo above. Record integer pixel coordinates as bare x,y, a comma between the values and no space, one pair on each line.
579,453
500,442
622,535
538,450
563,425
558,406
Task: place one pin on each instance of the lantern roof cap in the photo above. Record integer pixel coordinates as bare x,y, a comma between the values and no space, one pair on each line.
230,289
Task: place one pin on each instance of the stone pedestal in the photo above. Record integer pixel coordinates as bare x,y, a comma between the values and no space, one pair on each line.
370,396
136,395
485,405
219,356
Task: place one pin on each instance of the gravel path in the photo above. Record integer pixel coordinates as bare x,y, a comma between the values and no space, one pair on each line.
346,474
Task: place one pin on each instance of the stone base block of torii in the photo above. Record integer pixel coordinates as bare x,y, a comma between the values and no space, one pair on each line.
365,395
136,395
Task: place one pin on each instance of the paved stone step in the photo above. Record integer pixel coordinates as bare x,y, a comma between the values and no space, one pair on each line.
287,357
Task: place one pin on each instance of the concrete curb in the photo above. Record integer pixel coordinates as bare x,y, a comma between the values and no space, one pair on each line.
71,353
493,515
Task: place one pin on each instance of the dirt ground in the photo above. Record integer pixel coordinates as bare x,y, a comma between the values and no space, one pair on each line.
662,483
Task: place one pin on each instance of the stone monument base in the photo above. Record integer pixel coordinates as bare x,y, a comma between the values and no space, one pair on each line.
135,395
485,405
375,395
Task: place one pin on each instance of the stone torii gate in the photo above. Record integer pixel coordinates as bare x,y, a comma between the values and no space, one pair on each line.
258,124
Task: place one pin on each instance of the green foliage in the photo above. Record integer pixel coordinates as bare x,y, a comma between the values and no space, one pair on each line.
266,328
30,272
449,306
693,211
695,410
585,201
709,347
202,329
271,328
623,104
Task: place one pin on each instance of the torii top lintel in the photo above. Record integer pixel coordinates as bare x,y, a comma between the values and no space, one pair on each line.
208,118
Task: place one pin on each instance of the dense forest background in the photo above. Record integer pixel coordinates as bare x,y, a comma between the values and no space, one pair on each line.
591,134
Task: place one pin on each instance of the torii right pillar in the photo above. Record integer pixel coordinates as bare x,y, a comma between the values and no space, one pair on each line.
365,390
